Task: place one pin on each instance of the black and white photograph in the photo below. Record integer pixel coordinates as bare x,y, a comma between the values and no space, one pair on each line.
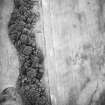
52,52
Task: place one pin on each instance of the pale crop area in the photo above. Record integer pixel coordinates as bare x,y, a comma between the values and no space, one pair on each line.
8,56
74,34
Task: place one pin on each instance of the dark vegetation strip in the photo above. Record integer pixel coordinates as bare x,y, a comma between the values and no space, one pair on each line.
31,57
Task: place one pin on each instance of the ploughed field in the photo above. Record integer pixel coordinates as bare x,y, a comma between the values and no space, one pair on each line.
52,52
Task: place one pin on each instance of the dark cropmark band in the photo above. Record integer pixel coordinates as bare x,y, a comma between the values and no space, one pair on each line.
31,58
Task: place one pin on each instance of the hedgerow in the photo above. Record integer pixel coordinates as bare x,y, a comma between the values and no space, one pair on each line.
31,71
